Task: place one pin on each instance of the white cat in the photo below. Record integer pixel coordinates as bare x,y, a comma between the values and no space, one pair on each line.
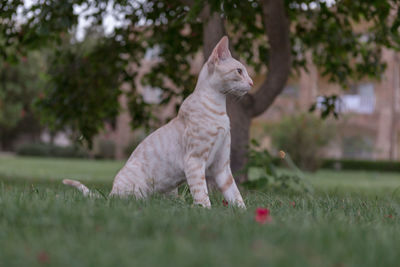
192,146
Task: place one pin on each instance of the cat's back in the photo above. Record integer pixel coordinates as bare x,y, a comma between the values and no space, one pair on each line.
164,140
156,163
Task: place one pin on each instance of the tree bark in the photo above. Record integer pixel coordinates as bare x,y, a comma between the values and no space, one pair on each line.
242,111
213,30
240,118
276,26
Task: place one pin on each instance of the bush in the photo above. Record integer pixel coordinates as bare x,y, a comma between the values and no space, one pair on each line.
367,165
34,149
139,136
106,149
262,173
352,164
132,146
48,150
69,152
303,137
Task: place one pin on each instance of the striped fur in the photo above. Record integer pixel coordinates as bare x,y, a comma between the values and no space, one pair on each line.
192,146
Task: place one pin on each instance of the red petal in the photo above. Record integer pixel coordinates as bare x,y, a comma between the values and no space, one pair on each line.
262,211
262,215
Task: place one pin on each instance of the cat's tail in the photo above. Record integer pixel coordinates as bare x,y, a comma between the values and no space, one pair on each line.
78,185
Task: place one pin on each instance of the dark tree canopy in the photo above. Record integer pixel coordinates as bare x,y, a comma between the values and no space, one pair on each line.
344,39
20,84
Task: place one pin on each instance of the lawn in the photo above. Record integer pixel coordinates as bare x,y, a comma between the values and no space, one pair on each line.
352,219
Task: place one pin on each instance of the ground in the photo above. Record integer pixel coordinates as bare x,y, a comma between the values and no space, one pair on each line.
352,219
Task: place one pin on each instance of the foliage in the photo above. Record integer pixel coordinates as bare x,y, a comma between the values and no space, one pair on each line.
20,85
48,150
134,142
357,147
34,149
328,31
350,164
328,106
366,165
86,76
302,137
105,149
263,173
130,148
94,75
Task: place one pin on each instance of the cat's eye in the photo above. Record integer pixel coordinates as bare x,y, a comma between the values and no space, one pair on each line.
239,71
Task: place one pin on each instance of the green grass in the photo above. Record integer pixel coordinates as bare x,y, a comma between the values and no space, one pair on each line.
357,181
46,169
43,223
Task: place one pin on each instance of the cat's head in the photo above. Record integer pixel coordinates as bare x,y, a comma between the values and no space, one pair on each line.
226,73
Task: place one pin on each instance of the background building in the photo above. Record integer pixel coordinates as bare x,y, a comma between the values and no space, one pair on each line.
369,111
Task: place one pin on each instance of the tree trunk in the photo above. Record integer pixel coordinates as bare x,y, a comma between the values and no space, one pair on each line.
242,111
276,25
240,132
213,30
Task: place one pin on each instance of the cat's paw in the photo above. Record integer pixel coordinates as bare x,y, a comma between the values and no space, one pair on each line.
240,204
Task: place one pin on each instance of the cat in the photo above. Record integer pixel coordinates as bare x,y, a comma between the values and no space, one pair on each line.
192,146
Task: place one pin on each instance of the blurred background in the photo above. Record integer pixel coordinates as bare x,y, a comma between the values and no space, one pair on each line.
91,78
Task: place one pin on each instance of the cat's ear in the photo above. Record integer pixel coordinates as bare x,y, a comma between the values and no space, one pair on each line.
221,51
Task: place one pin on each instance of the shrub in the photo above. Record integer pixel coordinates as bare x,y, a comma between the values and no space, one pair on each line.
303,137
33,149
261,169
139,136
106,149
367,165
132,146
69,152
358,147
48,150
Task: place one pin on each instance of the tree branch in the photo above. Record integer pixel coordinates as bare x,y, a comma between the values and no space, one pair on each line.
276,25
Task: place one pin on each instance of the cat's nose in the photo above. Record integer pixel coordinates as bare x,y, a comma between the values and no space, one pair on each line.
251,83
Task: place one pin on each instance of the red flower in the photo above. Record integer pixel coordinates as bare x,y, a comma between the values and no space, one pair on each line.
225,203
293,204
390,216
43,257
262,215
23,113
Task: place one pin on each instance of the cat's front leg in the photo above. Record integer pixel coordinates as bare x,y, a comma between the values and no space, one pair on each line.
221,171
226,184
196,179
